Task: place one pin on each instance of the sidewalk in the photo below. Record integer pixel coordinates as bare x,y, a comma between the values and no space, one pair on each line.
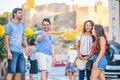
57,73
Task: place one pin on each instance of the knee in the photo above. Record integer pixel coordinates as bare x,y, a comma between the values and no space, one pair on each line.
91,77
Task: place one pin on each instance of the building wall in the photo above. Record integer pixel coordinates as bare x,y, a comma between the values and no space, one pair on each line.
67,16
114,20
98,14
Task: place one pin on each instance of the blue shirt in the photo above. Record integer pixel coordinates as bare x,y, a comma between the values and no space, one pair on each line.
45,45
16,32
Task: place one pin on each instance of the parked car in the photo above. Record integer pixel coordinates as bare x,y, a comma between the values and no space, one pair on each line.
65,62
113,66
58,63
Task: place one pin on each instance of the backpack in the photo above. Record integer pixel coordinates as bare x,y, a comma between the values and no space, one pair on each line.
109,53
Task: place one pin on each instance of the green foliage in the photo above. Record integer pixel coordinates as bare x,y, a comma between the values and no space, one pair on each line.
69,41
37,27
3,21
55,18
2,48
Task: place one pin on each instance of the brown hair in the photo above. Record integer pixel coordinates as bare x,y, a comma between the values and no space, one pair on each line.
99,32
92,24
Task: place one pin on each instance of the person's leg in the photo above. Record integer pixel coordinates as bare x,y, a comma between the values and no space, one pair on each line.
74,74
18,76
47,75
20,68
9,76
43,75
33,68
81,74
88,74
102,75
31,76
49,65
42,64
68,72
70,75
12,66
95,74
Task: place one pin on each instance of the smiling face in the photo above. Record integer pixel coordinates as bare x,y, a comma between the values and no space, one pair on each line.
46,25
88,26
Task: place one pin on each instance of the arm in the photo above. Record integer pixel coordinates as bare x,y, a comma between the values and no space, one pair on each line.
40,37
53,52
78,50
53,55
6,37
24,41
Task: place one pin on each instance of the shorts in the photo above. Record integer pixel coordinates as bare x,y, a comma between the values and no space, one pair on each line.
72,68
102,63
44,61
16,65
33,67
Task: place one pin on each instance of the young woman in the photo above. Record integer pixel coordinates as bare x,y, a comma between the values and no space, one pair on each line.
99,46
85,41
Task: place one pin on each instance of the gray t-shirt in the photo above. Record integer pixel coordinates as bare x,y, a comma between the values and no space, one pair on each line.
16,32
32,53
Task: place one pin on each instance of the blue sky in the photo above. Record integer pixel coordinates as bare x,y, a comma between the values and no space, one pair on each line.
8,5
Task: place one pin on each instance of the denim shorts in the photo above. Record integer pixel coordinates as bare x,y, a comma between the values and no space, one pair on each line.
72,68
102,63
33,67
16,65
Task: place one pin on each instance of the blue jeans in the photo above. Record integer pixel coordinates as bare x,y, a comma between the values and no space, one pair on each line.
16,65
82,74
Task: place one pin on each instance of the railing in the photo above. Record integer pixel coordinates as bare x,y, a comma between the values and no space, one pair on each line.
3,68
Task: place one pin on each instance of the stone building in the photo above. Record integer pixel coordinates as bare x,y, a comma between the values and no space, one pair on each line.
97,13
67,16
114,20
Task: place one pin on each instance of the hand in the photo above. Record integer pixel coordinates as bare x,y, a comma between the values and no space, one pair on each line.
95,65
80,57
75,64
53,62
67,65
46,33
26,51
85,58
9,56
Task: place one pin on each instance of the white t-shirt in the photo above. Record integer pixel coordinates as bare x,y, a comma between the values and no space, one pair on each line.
85,44
72,54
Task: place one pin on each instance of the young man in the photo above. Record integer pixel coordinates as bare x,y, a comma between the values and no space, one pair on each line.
45,49
14,38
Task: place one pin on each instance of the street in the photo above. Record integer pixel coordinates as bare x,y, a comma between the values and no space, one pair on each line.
58,73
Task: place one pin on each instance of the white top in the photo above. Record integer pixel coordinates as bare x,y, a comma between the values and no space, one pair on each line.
32,53
85,44
72,54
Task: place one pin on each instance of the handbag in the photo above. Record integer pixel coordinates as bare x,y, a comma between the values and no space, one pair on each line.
89,64
81,64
